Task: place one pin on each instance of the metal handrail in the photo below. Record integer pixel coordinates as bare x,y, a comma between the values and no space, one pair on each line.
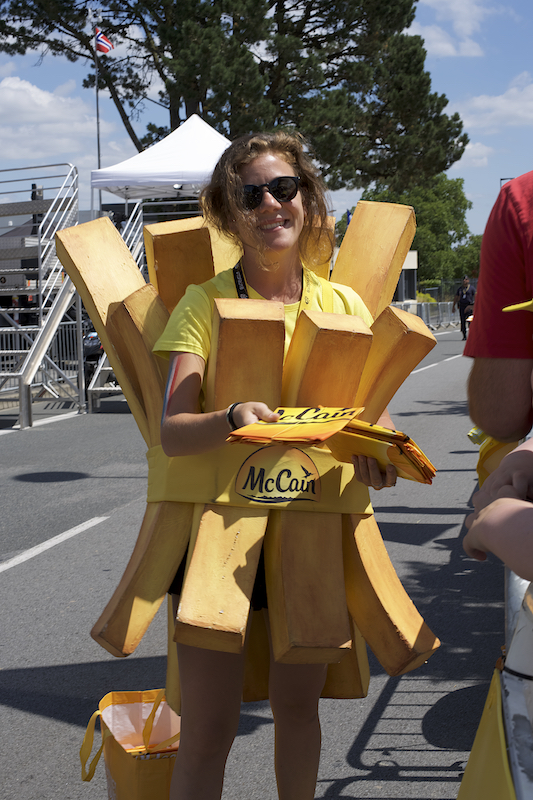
54,294
133,234
53,220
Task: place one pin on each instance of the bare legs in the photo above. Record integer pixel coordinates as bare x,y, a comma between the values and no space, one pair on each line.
294,691
211,688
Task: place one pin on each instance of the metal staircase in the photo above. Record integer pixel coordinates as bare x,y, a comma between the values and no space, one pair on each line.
41,326
37,357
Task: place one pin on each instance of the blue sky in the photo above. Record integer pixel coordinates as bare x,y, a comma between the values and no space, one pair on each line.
479,56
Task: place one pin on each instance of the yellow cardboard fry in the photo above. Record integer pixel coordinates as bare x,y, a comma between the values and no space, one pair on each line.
306,599
399,342
321,346
378,603
373,251
215,600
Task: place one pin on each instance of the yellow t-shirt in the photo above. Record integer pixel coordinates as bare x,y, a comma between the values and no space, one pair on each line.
189,327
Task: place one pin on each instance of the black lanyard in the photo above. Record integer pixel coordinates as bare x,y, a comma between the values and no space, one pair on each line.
240,283
308,289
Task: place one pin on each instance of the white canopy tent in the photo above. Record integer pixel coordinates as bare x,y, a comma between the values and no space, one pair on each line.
182,161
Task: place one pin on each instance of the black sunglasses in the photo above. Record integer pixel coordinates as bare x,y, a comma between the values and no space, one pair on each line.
282,189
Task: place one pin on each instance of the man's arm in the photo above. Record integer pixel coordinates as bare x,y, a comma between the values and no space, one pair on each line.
500,397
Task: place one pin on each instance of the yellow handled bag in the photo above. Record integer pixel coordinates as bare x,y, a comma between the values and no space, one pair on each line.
140,734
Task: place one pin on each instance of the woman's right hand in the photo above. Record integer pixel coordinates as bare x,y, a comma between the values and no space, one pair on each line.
253,411
184,430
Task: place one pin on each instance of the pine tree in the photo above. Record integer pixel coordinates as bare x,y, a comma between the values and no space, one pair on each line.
342,72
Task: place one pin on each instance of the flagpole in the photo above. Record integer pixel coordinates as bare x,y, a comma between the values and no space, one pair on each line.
97,121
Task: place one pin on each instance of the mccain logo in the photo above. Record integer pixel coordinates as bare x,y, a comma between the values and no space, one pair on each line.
278,475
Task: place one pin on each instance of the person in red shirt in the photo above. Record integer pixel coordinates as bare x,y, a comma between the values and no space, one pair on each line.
499,388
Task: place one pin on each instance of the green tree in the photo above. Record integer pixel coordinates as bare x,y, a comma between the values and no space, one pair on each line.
440,206
468,257
343,72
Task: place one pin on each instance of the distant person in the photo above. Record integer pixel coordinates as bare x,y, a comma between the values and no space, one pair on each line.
464,298
499,388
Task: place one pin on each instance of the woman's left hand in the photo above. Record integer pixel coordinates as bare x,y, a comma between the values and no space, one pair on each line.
367,471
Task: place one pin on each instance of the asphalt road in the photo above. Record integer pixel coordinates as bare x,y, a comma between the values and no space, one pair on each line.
410,737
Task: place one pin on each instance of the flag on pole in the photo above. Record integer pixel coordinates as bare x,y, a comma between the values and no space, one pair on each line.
102,43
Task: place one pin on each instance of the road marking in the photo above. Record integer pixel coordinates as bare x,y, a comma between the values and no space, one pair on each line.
436,364
40,548
36,424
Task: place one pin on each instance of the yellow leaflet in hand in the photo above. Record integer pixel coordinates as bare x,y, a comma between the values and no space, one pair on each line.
304,426
386,446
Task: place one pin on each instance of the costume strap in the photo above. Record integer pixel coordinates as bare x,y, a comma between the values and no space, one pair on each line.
309,287
240,282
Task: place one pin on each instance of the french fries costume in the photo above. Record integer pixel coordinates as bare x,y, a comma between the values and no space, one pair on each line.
330,584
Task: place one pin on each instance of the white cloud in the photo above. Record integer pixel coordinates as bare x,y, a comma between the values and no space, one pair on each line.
37,124
458,22
491,113
441,44
7,69
65,89
476,155
466,16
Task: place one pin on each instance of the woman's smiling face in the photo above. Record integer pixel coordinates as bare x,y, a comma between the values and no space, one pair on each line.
279,224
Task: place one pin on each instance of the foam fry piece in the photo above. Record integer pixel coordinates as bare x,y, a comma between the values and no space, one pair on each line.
347,679
378,603
307,609
215,600
134,328
246,361
325,360
184,251
157,554
491,453
526,306
400,342
104,272
351,676
373,251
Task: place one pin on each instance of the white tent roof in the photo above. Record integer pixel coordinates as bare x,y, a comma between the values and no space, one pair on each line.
186,157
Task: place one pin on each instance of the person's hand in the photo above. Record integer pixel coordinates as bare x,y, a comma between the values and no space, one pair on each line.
512,478
483,499
473,547
478,524
472,542
495,529
248,413
367,471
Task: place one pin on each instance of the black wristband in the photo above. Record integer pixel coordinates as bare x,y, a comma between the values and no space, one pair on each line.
229,415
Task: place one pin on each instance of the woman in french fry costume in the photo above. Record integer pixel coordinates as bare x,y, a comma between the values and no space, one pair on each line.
267,195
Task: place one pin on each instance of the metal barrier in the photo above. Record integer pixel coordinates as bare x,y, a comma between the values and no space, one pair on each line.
435,315
57,373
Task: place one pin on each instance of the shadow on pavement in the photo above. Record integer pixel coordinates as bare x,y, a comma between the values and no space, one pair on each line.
462,602
70,693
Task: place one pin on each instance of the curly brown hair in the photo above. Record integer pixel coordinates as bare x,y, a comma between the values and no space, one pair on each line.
222,199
